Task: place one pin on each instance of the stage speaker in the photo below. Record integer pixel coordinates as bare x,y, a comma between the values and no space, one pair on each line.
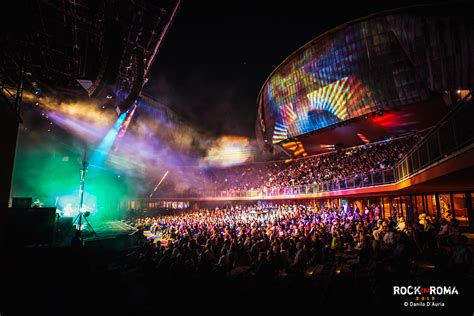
29,227
22,202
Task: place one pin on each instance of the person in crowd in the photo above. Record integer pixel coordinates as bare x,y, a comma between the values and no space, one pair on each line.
461,260
401,225
300,259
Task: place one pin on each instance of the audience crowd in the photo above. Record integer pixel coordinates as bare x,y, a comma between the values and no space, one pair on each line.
356,162
273,243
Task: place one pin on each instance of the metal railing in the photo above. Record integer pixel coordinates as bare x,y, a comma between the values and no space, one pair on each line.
375,178
454,132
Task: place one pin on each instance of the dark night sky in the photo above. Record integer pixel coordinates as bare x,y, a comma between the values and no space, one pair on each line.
217,54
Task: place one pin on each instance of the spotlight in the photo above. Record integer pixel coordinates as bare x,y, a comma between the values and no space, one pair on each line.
366,117
380,113
86,214
345,123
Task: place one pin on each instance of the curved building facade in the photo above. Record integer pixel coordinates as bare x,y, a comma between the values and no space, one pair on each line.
385,60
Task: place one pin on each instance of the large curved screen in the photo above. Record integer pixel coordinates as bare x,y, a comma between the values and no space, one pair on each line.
372,64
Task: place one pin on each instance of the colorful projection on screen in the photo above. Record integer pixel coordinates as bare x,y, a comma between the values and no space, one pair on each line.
359,69
338,101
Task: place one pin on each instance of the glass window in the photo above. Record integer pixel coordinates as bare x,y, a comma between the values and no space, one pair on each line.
409,208
394,207
431,209
387,202
460,209
419,204
444,203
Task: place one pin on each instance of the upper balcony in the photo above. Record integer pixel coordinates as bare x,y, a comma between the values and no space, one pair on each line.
447,150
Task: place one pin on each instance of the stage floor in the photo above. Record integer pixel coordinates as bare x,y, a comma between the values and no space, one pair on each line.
95,231
111,228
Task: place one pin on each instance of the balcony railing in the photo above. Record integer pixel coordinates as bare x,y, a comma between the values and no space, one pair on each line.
375,178
454,132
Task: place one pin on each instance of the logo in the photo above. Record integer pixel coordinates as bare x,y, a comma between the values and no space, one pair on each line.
424,296
427,290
